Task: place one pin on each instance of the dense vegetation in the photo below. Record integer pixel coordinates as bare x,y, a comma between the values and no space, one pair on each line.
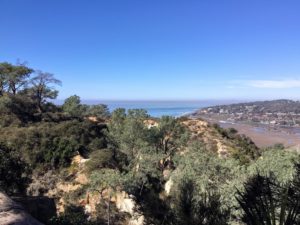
173,179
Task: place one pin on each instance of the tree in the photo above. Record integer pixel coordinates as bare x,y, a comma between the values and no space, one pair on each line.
42,88
192,208
99,111
13,77
72,106
267,202
170,135
277,162
48,145
106,182
128,131
4,71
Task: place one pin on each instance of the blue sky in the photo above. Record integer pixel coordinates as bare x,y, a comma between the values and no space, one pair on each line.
158,49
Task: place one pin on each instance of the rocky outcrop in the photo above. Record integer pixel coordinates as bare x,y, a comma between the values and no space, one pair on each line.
125,203
40,207
150,123
202,130
12,213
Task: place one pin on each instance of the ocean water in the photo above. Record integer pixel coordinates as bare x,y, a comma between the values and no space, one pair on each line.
160,108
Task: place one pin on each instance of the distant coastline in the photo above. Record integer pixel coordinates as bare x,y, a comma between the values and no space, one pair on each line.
158,108
265,122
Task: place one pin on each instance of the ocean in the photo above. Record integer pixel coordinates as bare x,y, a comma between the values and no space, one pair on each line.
160,108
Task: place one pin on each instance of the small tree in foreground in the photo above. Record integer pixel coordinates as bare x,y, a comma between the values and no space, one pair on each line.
266,202
105,182
192,208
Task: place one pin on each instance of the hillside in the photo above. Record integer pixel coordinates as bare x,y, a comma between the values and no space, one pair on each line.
277,112
126,168
275,106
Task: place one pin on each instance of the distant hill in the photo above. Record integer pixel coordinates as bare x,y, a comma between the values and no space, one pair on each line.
275,106
277,112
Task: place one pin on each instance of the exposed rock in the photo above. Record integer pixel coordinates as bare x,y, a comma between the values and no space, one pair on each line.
168,186
81,179
126,203
79,160
202,130
12,213
150,123
40,207
41,183
166,173
137,221
222,149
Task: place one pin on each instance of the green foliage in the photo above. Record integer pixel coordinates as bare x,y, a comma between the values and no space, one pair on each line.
16,110
13,77
192,208
244,148
54,144
208,172
170,135
266,201
128,155
72,106
278,162
98,111
23,99
73,215
246,151
13,179
116,217
7,117
145,175
103,158
41,89
105,178
128,131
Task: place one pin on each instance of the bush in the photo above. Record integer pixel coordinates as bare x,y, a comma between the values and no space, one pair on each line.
53,144
73,215
266,201
103,158
13,178
194,208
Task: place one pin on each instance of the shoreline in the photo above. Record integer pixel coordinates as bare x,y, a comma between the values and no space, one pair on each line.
263,135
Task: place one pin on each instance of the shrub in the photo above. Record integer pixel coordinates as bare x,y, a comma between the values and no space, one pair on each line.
13,178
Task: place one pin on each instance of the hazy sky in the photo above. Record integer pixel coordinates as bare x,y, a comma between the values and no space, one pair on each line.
158,49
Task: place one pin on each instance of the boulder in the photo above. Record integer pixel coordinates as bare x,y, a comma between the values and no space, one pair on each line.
12,213
40,207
